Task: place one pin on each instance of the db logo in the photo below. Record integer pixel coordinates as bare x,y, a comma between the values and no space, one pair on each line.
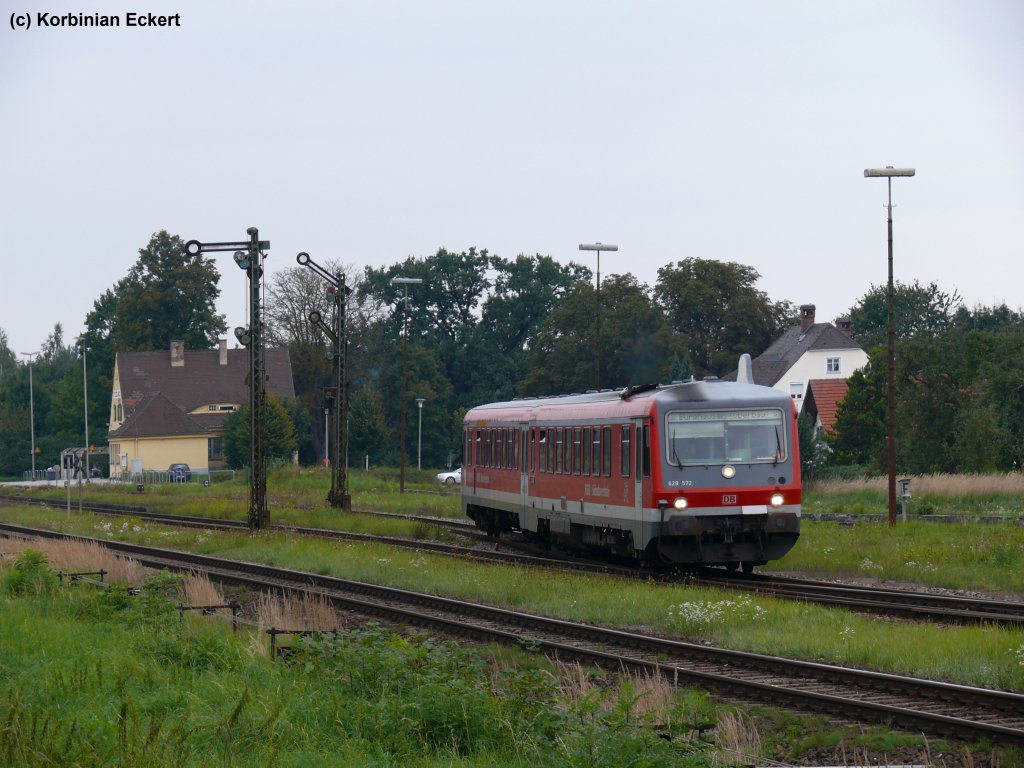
729,498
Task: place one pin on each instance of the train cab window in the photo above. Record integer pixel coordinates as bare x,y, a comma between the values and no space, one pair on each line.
577,450
586,451
624,452
559,433
712,437
606,453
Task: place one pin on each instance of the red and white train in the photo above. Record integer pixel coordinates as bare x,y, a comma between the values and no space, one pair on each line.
698,473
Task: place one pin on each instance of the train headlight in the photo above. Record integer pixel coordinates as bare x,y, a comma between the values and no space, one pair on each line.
777,499
728,471
679,503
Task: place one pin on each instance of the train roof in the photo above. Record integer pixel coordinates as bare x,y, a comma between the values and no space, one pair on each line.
636,400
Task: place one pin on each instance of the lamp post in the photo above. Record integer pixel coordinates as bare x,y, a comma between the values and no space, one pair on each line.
597,307
85,412
406,282
419,435
890,387
31,410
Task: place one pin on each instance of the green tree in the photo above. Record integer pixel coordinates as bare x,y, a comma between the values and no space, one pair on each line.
280,434
717,308
859,433
636,342
369,434
813,452
918,310
525,291
8,360
168,294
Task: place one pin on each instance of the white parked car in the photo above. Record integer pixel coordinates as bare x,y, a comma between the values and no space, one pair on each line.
451,478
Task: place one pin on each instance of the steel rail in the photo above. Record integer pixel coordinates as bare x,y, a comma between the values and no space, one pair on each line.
918,606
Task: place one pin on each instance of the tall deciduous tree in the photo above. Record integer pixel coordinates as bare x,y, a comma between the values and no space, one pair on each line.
717,307
918,310
168,294
8,359
637,345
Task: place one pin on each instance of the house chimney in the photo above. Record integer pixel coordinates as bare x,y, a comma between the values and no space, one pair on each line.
845,325
177,354
806,317
223,351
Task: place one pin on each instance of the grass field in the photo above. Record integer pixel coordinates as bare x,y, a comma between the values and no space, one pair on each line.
970,556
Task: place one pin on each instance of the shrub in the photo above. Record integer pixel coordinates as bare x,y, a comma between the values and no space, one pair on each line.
31,575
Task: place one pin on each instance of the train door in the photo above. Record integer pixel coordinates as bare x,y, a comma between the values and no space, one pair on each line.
526,464
638,491
641,464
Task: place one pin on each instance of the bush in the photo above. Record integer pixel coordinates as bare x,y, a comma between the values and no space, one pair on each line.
31,575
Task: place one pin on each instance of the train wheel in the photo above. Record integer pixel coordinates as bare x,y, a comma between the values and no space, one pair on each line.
748,567
731,567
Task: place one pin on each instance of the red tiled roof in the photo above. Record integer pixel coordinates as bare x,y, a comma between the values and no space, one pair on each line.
823,395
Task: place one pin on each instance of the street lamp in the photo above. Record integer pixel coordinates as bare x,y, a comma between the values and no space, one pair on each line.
404,281
419,435
597,307
31,410
890,388
85,402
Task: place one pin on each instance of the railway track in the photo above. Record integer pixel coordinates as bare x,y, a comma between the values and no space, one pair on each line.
908,703
919,606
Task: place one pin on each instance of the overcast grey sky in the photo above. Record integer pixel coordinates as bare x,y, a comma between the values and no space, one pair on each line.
372,131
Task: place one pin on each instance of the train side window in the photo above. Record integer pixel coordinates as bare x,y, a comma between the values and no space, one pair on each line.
543,450
624,445
531,447
478,449
559,433
551,451
586,451
577,450
606,452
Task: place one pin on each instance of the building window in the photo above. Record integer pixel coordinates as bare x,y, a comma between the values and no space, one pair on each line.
832,365
215,449
796,390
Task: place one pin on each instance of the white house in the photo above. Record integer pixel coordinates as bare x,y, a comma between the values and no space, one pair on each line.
809,351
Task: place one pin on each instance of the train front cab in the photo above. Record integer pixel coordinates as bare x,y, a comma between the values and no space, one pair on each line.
727,485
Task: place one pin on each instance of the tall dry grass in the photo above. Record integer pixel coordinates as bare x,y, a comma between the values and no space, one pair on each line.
939,484
80,557
308,612
737,739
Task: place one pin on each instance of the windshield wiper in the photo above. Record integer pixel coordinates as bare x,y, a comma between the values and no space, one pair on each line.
778,448
675,456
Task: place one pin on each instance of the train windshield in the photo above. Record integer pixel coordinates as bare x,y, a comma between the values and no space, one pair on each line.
715,437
